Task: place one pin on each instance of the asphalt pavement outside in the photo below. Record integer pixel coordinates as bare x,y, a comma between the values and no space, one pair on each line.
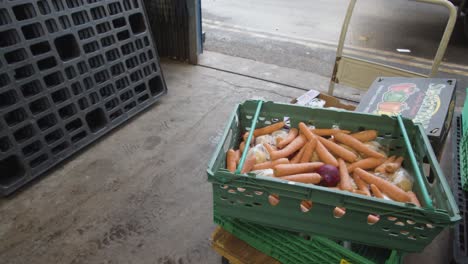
303,34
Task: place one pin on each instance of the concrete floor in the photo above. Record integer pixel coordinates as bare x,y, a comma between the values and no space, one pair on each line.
140,195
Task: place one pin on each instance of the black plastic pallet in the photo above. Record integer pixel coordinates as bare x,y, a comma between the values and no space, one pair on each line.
460,244
70,71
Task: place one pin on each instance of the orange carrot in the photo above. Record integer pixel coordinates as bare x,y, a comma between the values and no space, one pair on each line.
394,166
357,145
265,130
248,164
297,158
381,167
338,150
294,146
242,146
414,198
306,131
365,164
308,149
292,134
324,155
231,160
270,164
365,136
384,186
345,180
313,178
362,186
375,191
325,132
360,192
291,169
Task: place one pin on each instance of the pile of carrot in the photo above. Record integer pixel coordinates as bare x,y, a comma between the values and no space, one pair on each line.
292,159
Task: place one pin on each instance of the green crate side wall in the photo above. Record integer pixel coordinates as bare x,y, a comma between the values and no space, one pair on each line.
296,114
291,248
464,161
465,113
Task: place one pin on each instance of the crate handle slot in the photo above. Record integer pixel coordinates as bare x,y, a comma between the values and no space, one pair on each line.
249,138
409,148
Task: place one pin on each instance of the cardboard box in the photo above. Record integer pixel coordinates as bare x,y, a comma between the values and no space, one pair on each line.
310,99
430,102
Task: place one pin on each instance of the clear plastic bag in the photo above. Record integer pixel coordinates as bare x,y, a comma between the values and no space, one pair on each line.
260,153
267,139
279,135
403,179
265,172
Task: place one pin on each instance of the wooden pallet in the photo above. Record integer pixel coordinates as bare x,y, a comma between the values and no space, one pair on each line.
237,251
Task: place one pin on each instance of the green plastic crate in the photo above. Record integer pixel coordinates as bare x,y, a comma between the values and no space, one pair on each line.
289,248
464,147
465,114
404,227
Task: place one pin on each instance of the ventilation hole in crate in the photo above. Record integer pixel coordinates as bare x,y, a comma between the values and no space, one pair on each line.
53,79
46,63
393,234
94,98
74,125
399,223
224,198
143,98
23,12
39,106
107,91
96,120
258,193
80,18
107,41
248,205
147,70
74,3
103,27
339,212
44,7
422,236
67,47
76,88
137,23
4,17
65,22
114,8
117,69
60,147
70,72
15,117
12,169
9,37
123,35
132,62
40,48
119,22
135,4
88,83
86,33
24,72
31,88
47,122
155,69
60,96
122,83
91,47
412,237
54,136
156,86
51,26
8,98
83,103
430,226
5,144
386,229
146,40
112,55
24,133
115,114
98,12
127,5
96,61
372,219
140,88
112,104
126,96
82,67
32,148
273,199
32,31
127,48
129,106
139,44
67,111
16,56
58,5
419,227
150,55
4,79
410,222
38,161
136,76
101,76
232,191
305,206
392,218
143,58
403,232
